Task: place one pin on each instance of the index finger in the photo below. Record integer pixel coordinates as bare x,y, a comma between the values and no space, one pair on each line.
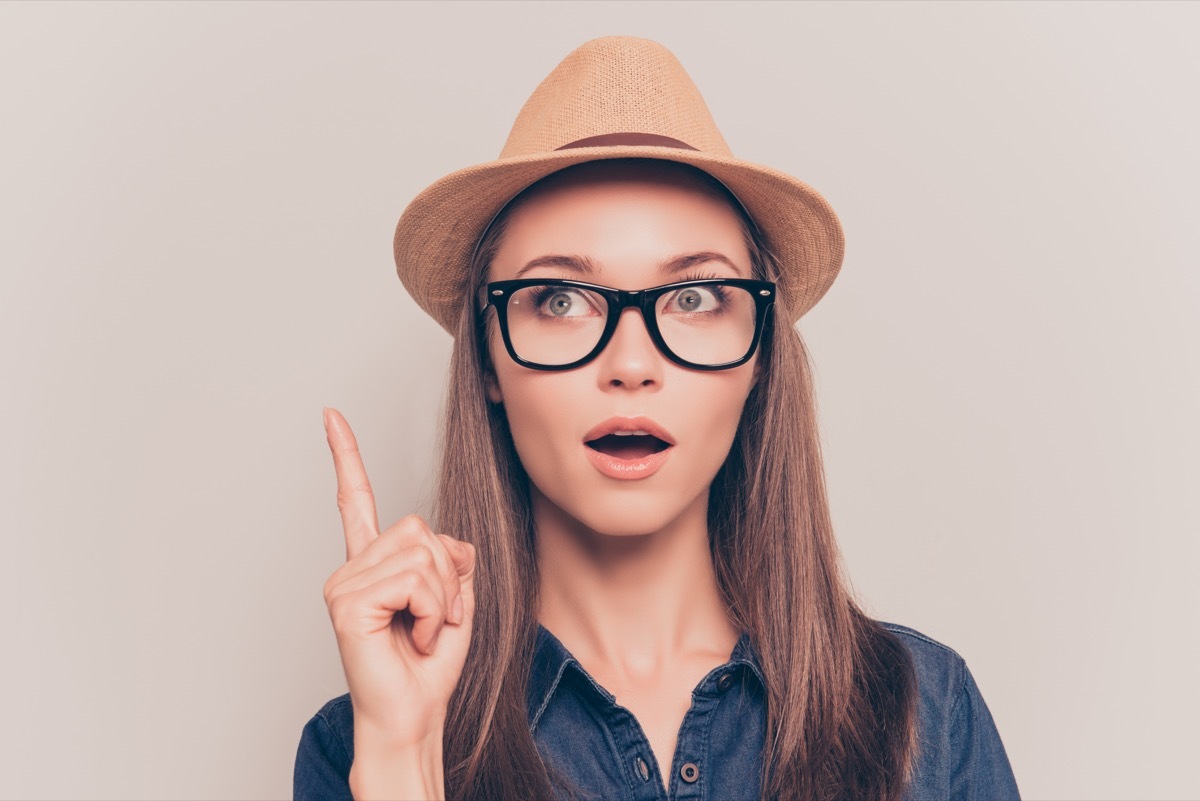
355,500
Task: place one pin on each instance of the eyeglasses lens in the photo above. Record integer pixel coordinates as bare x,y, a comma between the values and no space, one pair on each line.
707,324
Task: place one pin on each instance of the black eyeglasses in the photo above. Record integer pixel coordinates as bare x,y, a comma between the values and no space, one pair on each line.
702,324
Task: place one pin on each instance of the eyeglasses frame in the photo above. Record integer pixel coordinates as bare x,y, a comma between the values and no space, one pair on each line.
763,292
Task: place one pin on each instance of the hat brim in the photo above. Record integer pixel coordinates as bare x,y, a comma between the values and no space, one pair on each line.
437,233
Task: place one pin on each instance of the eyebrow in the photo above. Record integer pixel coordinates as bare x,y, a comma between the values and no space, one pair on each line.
584,265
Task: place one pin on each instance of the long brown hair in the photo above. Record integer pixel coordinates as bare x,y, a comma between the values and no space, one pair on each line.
841,690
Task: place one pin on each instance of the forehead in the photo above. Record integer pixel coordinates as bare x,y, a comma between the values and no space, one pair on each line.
654,171
624,219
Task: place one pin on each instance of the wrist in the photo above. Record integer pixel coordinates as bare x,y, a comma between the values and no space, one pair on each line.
386,770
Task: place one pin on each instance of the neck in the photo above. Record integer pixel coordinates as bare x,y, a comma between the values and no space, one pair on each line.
636,604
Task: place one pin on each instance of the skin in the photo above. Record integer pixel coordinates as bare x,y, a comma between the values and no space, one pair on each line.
626,577
627,582
400,675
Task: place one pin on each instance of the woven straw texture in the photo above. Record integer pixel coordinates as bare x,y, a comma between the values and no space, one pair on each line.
611,85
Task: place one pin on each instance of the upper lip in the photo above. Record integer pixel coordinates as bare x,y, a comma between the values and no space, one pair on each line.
629,424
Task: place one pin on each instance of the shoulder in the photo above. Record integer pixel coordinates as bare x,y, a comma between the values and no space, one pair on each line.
960,753
338,715
325,752
921,644
941,671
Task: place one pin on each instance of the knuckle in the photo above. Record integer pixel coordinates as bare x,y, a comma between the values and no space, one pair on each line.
413,522
333,583
409,582
422,555
393,541
337,613
450,546
346,496
410,528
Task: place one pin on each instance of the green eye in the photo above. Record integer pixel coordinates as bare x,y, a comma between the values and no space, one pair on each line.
694,299
560,304
689,300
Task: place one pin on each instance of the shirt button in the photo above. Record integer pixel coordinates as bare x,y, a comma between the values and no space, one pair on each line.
642,769
689,772
724,682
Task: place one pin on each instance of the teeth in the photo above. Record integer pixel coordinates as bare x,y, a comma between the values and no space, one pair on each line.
631,433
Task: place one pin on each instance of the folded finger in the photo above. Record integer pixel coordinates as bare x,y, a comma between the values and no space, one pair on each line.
414,592
416,559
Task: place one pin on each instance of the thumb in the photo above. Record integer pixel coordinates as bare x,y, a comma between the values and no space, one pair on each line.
462,554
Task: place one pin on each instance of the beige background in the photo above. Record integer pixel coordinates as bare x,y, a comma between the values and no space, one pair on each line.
197,205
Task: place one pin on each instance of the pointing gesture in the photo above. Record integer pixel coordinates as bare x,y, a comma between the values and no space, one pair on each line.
355,500
402,607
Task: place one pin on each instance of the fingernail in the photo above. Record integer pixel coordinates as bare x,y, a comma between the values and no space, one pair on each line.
456,611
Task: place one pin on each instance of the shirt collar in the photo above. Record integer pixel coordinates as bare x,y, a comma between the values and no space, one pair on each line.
552,659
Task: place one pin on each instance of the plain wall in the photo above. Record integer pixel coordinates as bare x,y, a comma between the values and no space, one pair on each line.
197,208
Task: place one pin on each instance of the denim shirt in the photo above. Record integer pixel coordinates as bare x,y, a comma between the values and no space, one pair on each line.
580,729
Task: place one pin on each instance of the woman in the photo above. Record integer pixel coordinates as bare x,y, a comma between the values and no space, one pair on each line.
630,587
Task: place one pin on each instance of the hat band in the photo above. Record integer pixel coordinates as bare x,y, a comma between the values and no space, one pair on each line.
658,140
607,140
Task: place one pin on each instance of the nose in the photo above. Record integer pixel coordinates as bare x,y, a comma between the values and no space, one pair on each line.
630,359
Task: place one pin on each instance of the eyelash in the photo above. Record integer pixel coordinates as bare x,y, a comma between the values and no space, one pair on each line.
700,276
690,276
545,292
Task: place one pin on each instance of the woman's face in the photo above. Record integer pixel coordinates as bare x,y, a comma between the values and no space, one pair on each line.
627,223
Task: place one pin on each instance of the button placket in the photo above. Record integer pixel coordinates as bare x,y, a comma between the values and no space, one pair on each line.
692,747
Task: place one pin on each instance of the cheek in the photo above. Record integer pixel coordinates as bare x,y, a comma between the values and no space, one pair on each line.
537,403
712,420
548,412
543,415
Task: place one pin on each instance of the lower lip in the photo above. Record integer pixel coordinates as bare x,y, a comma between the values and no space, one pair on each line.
628,469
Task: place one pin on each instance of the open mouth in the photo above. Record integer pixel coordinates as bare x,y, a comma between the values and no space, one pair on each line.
628,446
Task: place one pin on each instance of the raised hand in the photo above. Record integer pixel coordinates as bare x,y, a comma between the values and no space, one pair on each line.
402,607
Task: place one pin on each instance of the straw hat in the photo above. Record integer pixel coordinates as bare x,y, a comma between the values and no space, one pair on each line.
613,97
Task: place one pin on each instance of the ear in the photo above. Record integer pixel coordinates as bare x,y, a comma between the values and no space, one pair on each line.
491,386
758,373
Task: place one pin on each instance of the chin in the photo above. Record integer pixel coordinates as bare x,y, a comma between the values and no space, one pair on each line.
626,525
621,514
